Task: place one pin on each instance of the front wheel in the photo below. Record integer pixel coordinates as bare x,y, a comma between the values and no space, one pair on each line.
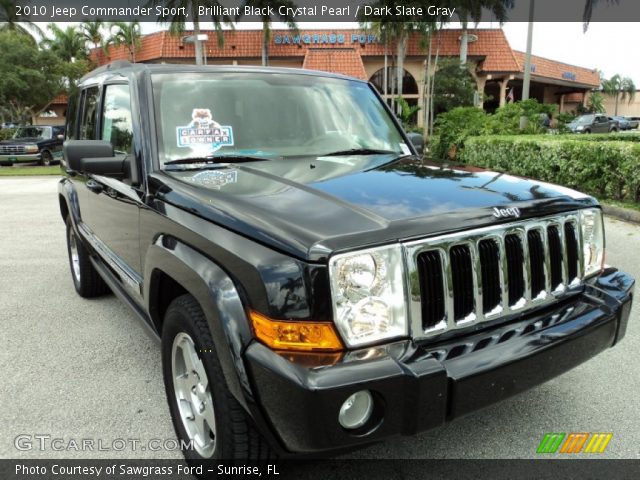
46,159
208,420
86,280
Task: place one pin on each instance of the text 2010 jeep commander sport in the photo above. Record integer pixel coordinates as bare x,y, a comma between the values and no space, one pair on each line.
315,284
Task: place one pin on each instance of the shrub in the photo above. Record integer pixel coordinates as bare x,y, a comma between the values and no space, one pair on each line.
7,133
600,167
454,126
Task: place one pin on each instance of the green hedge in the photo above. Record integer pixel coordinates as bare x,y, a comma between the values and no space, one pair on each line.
7,133
601,167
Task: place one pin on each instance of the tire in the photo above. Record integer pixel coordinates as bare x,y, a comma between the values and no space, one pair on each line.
46,159
587,131
203,392
86,280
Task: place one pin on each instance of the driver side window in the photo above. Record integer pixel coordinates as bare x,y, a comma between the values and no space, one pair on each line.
117,127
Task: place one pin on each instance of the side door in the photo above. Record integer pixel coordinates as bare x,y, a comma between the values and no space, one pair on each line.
82,120
114,203
601,125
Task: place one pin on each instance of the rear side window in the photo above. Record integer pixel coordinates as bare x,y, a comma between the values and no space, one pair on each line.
89,117
117,127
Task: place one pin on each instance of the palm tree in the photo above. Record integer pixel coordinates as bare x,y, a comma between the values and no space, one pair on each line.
92,33
10,21
620,88
68,44
178,21
589,5
264,5
127,34
471,11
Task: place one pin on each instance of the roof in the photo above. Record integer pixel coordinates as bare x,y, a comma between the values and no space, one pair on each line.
343,61
547,68
123,68
489,47
61,99
491,44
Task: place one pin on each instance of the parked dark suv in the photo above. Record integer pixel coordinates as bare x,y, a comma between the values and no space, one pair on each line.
314,283
37,143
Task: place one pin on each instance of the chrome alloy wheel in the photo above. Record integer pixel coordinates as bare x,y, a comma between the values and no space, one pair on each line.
75,257
193,395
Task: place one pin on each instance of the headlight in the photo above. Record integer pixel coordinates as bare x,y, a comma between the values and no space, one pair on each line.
592,241
580,127
369,295
31,149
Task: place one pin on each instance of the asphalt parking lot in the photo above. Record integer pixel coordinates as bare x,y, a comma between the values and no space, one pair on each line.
84,369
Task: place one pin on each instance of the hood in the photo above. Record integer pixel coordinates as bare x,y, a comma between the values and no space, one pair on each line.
311,208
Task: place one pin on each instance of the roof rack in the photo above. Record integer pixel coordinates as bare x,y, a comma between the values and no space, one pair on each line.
109,66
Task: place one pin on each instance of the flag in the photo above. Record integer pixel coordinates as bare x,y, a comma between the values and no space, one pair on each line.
510,96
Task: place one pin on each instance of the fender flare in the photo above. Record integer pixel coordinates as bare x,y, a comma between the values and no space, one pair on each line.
67,193
219,298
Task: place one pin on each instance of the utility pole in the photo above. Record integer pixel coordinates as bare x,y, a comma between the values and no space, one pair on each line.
527,63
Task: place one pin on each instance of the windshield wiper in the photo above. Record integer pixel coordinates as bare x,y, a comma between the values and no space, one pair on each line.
358,151
216,160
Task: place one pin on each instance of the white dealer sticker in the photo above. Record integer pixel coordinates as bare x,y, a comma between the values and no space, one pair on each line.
204,131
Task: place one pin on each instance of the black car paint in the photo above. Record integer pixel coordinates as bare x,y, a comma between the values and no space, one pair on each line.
202,238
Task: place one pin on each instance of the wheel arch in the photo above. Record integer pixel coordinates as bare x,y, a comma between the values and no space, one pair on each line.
174,268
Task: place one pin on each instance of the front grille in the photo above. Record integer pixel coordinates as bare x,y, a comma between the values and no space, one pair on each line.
485,274
11,149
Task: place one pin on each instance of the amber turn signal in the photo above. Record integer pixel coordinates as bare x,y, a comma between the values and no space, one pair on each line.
305,336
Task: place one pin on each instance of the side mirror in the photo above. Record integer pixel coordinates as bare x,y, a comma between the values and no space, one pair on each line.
417,141
76,151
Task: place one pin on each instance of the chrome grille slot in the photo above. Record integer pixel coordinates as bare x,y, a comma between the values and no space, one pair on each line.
515,268
571,246
462,279
537,262
489,251
470,277
555,256
12,149
431,288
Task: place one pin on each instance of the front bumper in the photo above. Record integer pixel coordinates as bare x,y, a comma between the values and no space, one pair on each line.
418,387
31,157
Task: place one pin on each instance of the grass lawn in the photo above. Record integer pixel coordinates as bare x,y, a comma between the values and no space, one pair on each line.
22,171
622,204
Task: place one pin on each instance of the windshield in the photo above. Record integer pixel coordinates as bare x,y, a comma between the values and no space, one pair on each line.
33,132
268,115
584,120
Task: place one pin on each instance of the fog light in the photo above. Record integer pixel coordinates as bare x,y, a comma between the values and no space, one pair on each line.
356,410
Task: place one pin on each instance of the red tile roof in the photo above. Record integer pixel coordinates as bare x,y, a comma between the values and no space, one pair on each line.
489,46
345,61
60,100
547,68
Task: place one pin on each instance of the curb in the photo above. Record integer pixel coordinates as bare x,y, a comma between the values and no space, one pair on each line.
620,213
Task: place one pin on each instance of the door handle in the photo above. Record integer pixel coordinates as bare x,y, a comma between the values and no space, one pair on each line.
94,186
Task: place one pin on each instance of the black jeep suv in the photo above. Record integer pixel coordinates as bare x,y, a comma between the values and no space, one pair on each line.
37,143
314,283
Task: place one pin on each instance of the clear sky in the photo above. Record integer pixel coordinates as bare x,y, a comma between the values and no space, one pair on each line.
608,46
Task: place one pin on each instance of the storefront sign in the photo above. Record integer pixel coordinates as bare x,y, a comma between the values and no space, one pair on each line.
569,76
324,39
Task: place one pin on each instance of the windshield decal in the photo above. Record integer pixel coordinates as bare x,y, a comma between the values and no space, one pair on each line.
214,179
204,133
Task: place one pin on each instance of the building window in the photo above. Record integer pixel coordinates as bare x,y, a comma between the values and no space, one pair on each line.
409,84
